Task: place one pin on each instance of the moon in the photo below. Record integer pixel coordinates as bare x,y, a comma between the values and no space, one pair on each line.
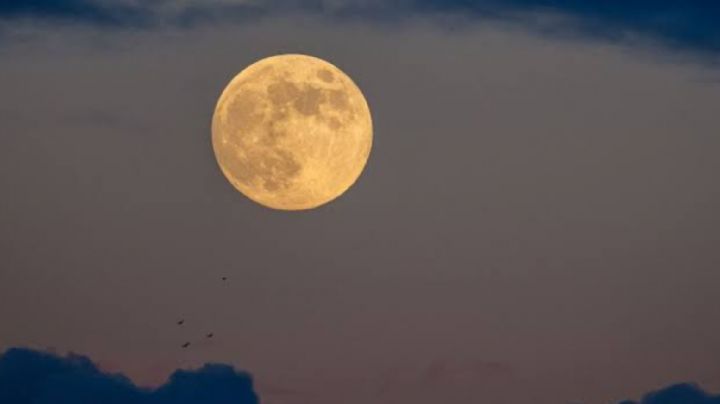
292,132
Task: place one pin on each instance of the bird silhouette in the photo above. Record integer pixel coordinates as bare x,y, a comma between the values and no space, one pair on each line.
185,345
224,278
209,335
181,322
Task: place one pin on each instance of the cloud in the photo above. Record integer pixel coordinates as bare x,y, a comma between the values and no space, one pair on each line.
28,376
94,12
133,13
678,394
681,24
688,25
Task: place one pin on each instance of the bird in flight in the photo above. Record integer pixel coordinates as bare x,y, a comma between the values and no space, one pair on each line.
181,322
185,345
210,335
224,278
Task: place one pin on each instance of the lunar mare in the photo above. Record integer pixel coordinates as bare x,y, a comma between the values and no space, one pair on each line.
292,132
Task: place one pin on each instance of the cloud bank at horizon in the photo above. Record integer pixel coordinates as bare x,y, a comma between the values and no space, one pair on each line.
33,377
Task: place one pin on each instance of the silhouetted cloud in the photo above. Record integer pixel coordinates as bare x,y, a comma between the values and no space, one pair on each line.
678,394
28,376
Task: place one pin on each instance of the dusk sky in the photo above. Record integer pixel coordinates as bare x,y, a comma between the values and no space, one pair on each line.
538,221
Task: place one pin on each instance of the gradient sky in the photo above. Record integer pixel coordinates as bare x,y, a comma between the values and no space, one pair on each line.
538,221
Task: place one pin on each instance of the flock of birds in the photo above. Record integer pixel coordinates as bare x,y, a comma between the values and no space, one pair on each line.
207,336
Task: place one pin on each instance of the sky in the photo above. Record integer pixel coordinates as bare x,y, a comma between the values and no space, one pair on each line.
537,221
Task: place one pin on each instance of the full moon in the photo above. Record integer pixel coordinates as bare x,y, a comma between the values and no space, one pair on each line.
292,132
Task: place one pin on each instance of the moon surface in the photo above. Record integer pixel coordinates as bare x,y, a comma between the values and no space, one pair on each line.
292,132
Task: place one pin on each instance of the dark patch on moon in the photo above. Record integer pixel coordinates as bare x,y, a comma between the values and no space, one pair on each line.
282,92
306,99
334,123
309,100
243,114
275,168
339,99
278,169
325,75
275,130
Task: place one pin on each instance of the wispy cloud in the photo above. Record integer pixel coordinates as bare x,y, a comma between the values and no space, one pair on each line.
682,25
95,12
679,24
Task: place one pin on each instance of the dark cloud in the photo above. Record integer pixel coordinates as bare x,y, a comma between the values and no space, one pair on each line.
108,13
678,394
28,376
682,24
690,25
